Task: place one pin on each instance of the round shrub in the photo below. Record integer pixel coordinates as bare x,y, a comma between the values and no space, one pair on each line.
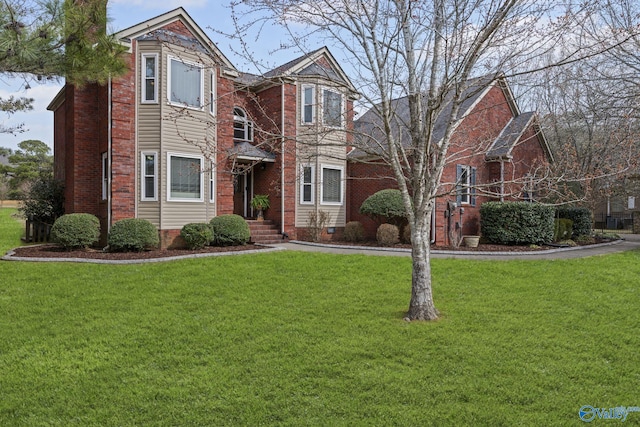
354,231
133,235
388,235
230,230
385,204
77,230
581,217
197,235
563,229
406,233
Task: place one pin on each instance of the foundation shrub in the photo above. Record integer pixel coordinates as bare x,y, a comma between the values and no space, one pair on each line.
388,235
133,235
76,230
230,230
354,231
197,235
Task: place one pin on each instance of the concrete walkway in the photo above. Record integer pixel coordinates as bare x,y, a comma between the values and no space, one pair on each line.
629,242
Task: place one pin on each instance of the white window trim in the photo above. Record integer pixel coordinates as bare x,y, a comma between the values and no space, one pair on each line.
212,92
105,175
190,63
312,184
466,185
144,176
303,105
179,199
248,125
143,76
342,107
212,183
335,167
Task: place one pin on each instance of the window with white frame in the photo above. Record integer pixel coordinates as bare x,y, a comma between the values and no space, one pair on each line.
242,126
331,108
150,78
185,178
105,175
331,188
308,103
149,176
185,83
307,173
465,185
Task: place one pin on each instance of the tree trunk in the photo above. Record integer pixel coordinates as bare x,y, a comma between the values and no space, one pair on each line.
421,305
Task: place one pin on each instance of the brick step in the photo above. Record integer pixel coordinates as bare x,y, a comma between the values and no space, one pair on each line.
264,232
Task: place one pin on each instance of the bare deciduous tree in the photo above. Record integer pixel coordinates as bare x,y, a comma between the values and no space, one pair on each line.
430,53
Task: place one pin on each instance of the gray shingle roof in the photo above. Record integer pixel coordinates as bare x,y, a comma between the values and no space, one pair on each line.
510,135
244,150
369,133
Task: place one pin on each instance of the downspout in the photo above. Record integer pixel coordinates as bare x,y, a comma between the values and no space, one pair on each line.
282,155
502,180
109,157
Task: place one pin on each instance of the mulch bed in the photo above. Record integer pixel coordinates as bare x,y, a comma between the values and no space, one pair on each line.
53,251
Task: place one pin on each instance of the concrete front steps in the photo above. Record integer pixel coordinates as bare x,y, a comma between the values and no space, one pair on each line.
265,232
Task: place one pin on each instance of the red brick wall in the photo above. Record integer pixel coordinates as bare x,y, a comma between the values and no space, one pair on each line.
224,178
123,185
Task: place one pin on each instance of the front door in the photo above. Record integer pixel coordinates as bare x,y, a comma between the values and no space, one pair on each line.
242,194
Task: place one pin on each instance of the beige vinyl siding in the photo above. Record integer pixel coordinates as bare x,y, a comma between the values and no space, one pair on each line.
320,147
175,214
158,126
149,124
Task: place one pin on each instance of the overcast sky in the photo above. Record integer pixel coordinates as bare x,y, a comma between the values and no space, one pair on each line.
207,14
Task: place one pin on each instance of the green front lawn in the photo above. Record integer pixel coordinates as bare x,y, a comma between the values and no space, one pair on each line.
292,338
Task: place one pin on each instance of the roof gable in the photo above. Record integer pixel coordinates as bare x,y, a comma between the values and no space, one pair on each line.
176,26
510,136
319,63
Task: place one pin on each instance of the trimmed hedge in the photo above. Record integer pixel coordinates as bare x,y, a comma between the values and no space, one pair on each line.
581,217
385,204
230,230
517,223
197,235
354,231
76,230
562,230
133,235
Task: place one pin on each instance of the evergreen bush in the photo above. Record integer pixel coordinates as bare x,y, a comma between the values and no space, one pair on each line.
563,229
388,235
354,231
197,235
76,230
385,204
581,217
517,223
230,230
133,235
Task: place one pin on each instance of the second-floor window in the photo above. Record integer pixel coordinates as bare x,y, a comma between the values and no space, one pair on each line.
331,108
242,126
185,83
150,78
308,104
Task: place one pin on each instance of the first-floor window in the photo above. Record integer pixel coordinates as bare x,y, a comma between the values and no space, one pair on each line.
185,178
331,185
306,184
465,182
149,175
105,175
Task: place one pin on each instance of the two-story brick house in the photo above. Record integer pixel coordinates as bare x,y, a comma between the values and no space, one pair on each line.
185,136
